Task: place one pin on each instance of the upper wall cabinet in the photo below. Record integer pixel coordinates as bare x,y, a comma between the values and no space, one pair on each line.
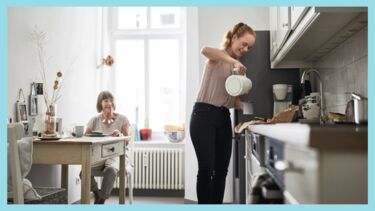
280,22
301,35
283,24
296,14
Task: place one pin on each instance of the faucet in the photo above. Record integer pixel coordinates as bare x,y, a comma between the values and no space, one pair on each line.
306,72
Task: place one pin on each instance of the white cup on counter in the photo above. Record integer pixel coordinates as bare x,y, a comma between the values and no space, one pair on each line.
248,108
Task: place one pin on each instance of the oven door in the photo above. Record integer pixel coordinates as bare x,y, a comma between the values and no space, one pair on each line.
274,153
258,148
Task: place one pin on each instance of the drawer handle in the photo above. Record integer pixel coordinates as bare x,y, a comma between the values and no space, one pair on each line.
112,149
289,166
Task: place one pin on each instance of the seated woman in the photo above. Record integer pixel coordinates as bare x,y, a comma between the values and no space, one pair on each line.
107,122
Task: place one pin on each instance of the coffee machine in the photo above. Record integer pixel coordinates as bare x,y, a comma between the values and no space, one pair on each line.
282,97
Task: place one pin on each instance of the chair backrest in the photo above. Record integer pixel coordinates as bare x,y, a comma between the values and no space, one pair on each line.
132,133
15,133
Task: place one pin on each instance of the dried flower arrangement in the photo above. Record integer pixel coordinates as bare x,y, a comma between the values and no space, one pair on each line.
40,38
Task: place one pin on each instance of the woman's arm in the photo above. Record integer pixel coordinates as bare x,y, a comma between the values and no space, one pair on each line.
214,55
90,126
238,104
88,131
125,129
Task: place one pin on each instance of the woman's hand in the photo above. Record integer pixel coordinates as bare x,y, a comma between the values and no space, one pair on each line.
116,133
88,131
238,103
240,68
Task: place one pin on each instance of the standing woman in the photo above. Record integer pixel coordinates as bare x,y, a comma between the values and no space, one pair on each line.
111,123
210,125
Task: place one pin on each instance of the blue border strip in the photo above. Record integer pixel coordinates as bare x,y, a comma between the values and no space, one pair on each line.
371,95
187,2
3,93
4,97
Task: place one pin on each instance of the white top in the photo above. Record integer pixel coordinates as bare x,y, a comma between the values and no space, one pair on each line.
96,124
212,90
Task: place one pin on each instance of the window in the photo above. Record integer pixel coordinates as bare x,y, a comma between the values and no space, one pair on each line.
148,50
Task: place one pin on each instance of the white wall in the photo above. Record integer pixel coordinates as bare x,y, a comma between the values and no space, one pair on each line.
71,36
192,86
215,22
345,69
208,29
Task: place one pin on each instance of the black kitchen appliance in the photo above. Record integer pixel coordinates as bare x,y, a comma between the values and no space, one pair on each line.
257,61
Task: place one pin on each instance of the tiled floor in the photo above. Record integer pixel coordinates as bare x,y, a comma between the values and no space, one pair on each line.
147,200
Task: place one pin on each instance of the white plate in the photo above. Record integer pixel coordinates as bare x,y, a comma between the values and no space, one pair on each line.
49,138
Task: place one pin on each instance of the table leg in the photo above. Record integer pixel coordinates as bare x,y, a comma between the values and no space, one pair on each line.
86,175
122,180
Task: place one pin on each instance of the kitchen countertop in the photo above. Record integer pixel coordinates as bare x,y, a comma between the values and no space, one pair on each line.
316,136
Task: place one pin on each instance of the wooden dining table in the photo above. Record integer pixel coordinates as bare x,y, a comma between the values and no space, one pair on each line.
85,151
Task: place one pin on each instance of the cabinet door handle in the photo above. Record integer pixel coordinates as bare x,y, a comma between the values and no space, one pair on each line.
287,166
285,25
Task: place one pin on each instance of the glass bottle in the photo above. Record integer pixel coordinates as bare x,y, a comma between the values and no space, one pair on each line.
50,120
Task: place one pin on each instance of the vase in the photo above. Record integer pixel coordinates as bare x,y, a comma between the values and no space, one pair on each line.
50,120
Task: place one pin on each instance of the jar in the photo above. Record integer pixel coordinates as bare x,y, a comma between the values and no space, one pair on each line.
50,120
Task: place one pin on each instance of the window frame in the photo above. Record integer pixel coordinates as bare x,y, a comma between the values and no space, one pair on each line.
148,34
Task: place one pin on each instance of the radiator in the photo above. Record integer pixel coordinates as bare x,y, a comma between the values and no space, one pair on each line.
158,168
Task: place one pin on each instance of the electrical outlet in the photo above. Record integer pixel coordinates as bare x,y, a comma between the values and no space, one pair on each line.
78,181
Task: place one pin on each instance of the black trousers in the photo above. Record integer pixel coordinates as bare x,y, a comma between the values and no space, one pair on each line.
211,134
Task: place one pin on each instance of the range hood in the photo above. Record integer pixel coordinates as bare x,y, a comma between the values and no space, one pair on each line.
321,30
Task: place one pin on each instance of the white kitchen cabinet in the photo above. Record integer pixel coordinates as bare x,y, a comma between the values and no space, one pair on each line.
312,32
302,175
325,176
273,31
317,164
296,14
280,27
283,27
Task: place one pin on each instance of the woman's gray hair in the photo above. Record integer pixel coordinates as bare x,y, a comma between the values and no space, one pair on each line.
103,96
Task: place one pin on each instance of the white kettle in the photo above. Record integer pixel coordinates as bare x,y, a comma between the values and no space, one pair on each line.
237,85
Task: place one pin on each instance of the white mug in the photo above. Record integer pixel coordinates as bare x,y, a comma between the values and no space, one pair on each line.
237,85
248,108
78,130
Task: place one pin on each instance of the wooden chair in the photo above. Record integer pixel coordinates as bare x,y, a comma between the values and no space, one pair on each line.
49,195
129,168
15,132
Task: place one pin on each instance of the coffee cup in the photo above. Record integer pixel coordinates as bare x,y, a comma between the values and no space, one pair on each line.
78,130
248,108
